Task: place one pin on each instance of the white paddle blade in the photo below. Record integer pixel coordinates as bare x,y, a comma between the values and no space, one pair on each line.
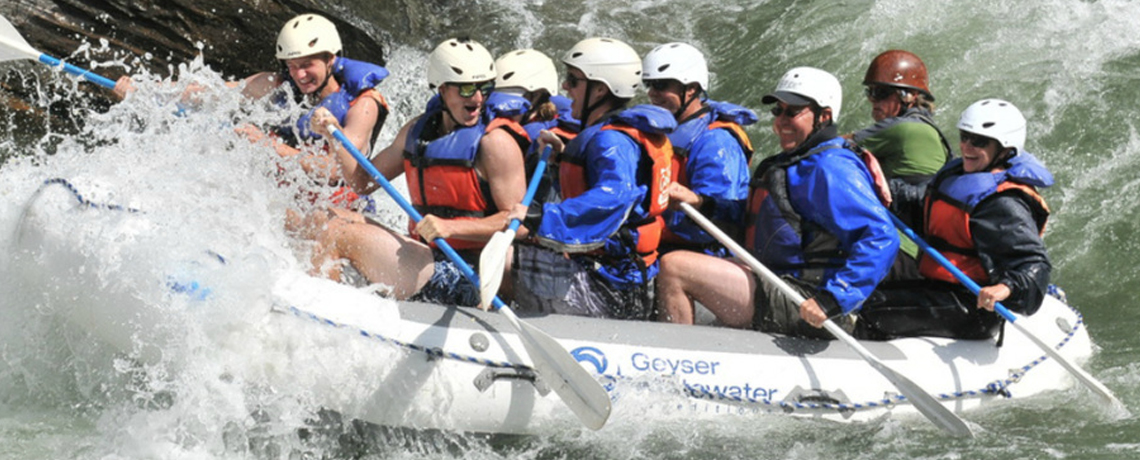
934,411
923,401
492,263
569,380
12,44
1080,374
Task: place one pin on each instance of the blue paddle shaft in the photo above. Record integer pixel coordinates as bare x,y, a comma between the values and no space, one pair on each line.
79,72
532,188
942,260
415,215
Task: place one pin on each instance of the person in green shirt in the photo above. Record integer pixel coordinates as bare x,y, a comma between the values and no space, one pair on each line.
904,138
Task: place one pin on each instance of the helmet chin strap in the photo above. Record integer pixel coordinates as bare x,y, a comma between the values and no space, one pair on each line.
588,108
447,109
685,101
1004,155
328,76
535,104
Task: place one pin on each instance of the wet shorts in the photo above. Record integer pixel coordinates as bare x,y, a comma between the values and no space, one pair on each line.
447,285
548,282
778,313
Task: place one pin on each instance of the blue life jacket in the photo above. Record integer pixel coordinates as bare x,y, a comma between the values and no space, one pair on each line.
355,77
967,190
843,243
440,170
710,157
565,121
954,195
605,213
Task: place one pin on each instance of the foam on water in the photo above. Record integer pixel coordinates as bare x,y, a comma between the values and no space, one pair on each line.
206,378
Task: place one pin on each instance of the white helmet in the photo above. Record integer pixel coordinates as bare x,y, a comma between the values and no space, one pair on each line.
459,61
995,119
805,85
609,61
676,61
527,69
306,35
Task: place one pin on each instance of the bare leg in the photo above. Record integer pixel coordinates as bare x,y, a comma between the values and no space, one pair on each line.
723,286
378,254
308,226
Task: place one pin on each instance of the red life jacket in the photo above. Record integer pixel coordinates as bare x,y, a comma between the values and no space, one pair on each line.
657,155
441,175
948,230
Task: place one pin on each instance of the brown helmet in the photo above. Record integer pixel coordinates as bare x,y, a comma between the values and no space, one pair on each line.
898,68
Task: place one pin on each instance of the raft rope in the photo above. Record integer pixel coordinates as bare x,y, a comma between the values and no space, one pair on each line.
79,197
996,388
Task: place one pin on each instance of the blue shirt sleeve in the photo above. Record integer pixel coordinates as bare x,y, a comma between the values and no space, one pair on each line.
833,189
717,169
586,221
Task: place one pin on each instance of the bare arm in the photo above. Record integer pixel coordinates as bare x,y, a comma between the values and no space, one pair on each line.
358,127
500,162
390,161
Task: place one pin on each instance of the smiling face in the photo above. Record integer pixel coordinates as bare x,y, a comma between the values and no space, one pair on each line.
793,124
575,87
669,94
978,152
309,72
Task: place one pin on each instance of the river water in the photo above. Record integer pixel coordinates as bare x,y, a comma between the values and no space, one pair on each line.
1069,65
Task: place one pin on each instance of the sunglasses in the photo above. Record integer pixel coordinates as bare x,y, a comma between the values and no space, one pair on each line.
975,140
572,80
658,85
791,111
468,89
878,93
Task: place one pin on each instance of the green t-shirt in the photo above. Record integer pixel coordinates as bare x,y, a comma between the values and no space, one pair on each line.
905,147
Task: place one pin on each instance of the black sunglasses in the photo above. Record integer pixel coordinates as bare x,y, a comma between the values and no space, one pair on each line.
468,89
791,111
572,80
975,140
658,85
878,93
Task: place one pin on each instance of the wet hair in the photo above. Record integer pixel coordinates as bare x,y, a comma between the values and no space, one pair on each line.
924,101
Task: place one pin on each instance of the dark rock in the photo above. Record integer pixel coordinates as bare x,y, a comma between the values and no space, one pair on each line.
236,37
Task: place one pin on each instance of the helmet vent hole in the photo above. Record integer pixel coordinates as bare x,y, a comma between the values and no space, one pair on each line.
313,43
988,124
508,76
662,68
457,70
575,55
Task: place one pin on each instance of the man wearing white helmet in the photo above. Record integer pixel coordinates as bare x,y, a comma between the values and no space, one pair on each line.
309,49
710,148
595,252
526,101
524,87
313,69
982,212
813,217
461,172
